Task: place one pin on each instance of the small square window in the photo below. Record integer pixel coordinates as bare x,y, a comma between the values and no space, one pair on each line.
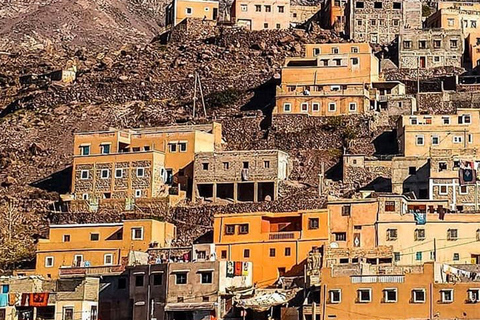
258,8
419,140
182,146
287,252
84,150
419,234
397,5
316,51
223,254
272,252
442,166
456,256
49,262
138,193
246,253
140,172
137,233
104,173
335,296
265,25
268,8
396,256
418,295
412,170
189,11
230,229
84,174
418,256
359,5
352,107
243,8
118,173
281,9
172,147
346,210
443,190
390,206
354,49
266,164
391,234
85,196
340,236
474,295
66,238
377,5
94,236
139,280
108,259
463,190
315,107
435,140
354,61
205,166
332,107
313,223
245,165
287,107
226,165
105,148
243,229
157,279
181,278
364,295
390,295
452,234
446,120
447,295
277,26
206,277
304,107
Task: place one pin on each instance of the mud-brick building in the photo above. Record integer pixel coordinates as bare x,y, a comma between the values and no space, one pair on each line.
240,175
430,48
381,21
139,163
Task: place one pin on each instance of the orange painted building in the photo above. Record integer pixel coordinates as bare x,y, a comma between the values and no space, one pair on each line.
93,246
200,9
261,14
332,79
407,292
276,243
139,163
333,15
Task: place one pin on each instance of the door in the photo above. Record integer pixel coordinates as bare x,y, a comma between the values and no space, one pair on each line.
423,62
78,260
67,313
215,13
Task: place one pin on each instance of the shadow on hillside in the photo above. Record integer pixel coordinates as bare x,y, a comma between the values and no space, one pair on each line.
263,99
386,143
59,181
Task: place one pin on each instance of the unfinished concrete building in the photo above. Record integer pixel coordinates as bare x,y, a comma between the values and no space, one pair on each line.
240,175
381,21
429,48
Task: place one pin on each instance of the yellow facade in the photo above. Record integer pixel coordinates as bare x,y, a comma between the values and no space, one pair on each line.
200,9
138,163
98,245
261,14
420,135
276,243
332,79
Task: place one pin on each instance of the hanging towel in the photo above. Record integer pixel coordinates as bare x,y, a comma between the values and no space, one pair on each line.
230,269
12,299
25,299
245,269
39,299
238,268
5,288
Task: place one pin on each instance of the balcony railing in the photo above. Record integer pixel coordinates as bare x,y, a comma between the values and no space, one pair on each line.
378,279
90,271
281,235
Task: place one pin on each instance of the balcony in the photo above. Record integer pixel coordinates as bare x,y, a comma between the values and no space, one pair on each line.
284,235
68,272
378,279
324,93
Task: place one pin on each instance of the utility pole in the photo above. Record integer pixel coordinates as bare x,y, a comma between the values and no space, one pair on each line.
435,249
198,82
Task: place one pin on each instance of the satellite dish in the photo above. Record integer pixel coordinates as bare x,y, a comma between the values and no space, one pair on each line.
334,245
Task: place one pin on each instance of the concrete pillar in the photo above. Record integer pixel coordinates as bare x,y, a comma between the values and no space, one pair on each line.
255,192
235,192
214,191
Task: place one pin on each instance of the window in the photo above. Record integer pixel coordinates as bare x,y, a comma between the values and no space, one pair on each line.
452,234
413,120
246,253
205,166
313,223
84,174
390,206
354,61
105,148
315,107
419,140
287,252
94,236
181,278
230,229
377,5
66,238
266,164
84,150
352,106
478,234
281,9
447,295
243,229
268,8
338,62
137,233
442,166
457,139
340,236
391,234
335,295
316,51
189,11
136,149
335,50
418,295
67,313
418,256
359,5
332,106
265,25
407,44
364,295
118,173
140,172
157,279
287,107
390,295
272,252
182,146
463,190
277,25
294,14
346,210
104,173
49,262
354,49
108,259
245,164
419,234
396,256
470,138
397,5
396,22
474,295
435,140
451,22
443,190
453,44
304,107
172,147
138,193
206,277
456,256
464,119
359,22
85,196
258,8
422,44
223,254
139,280
243,8
412,170
446,120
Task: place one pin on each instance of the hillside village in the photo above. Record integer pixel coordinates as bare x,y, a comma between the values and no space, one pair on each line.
202,159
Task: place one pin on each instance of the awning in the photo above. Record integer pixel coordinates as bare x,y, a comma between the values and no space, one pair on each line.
264,301
190,306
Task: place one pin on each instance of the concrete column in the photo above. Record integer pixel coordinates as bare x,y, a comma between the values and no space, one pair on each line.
214,191
255,192
235,192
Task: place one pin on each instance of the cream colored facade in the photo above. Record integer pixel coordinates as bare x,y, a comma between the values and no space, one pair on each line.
261,14
179,10
332,79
